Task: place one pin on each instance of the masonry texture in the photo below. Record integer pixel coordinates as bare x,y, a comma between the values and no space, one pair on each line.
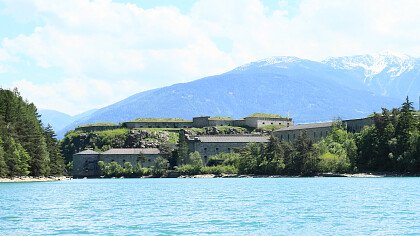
85,163
317,131
210,145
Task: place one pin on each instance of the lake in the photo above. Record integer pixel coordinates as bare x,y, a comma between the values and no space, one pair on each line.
247,206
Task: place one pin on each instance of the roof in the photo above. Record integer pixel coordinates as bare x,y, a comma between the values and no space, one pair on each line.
307,126
132,151
87,152
231,139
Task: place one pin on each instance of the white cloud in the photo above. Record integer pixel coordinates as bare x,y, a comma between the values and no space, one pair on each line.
76,95
107,42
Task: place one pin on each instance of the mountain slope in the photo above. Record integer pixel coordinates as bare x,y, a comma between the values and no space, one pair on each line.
385,73
305,90
58,120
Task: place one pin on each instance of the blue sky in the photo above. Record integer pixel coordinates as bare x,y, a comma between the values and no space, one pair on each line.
76,55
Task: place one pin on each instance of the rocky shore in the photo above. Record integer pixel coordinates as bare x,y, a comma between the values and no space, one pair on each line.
33,179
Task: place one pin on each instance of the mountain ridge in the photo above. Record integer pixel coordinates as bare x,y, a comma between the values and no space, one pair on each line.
308,91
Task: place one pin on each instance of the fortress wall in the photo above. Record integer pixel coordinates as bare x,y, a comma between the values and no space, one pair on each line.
357,125
97,128
240,123
200,122
132,158
314,134
207,150
170,124
85,165
221,123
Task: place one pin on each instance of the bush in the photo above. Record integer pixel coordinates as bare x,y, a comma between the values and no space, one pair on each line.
334,163
217,170
189,169
224,159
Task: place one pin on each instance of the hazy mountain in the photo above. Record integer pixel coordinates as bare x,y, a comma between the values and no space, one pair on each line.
58,120
308,91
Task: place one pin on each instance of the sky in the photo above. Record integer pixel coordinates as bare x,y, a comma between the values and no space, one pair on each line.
73,56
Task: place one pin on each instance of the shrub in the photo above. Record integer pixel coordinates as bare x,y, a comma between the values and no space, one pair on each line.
334,163
189,169
217,170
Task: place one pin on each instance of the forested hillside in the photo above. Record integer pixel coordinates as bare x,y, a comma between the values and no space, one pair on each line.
26,147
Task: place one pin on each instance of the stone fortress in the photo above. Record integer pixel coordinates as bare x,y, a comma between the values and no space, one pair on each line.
85,162
254,121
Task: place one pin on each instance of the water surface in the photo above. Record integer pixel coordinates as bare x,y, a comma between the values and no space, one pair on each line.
266,206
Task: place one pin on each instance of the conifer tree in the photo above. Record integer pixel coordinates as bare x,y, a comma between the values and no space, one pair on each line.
183,150
3,166
56,159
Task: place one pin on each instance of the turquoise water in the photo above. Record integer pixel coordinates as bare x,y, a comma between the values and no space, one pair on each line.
283,206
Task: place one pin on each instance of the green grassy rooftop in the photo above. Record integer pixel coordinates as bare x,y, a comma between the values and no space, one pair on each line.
98,124
221,118
160,120
265,115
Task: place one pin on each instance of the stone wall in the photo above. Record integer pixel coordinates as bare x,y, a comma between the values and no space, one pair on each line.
258,122
221,123
132,158
97,128
85,165
200,122
207,150
318,131
168,124
314,134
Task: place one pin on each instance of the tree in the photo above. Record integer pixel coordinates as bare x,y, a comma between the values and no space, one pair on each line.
128,169
273,162
160,166
56,159
194,159
183,149
250,156
305,161
4,171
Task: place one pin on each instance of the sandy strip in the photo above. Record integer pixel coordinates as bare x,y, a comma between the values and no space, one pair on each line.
32,179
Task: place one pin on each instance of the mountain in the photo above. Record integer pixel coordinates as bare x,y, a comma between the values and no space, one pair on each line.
59,120
383,74
308,91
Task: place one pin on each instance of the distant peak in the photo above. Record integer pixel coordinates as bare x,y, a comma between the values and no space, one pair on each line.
282,61
388,62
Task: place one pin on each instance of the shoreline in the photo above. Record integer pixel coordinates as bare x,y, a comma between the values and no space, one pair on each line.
26,179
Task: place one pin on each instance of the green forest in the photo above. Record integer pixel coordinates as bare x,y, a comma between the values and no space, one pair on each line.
26,147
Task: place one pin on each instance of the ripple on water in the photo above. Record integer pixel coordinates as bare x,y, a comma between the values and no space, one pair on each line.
297,206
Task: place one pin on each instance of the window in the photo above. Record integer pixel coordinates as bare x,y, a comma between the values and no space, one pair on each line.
271,122
314,134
